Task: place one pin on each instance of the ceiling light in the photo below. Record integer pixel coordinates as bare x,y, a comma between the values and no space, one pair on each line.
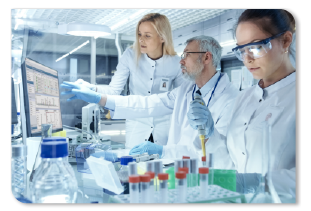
227,43
124,21
77,48
83,29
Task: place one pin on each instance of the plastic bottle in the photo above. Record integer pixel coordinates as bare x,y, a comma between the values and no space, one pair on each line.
152,189
17,128
123,173
158,168
181,186
134,188
203,171
163,187
145,188
193,172
19,170
54,183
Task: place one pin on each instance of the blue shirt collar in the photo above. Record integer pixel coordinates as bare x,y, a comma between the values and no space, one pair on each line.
209,85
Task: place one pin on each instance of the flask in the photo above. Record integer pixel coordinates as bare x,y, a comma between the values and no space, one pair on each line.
19,171
53,183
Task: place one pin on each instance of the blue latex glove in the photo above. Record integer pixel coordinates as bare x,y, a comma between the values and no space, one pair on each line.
109,156
80,92
68,85
199,114
147,146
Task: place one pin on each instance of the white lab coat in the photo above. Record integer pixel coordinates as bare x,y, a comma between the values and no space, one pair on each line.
145,80
182,138
241,149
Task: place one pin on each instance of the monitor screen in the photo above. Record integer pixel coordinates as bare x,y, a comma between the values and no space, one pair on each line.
41,97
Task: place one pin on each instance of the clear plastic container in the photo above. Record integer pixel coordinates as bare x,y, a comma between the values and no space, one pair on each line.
158,168
181,186
46,132
19,170
203,171
193,172
186,170
134,188
132,168
54,183
152,188
163,187
145,188
123,172
178,163
17,127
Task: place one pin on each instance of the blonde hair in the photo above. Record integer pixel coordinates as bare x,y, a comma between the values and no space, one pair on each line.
163,27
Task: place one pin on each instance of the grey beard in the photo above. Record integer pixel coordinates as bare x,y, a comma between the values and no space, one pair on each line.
188,77
192,76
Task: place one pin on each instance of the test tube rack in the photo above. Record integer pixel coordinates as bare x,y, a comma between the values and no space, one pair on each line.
216,194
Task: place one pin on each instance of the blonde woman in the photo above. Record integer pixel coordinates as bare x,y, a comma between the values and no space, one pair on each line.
148,64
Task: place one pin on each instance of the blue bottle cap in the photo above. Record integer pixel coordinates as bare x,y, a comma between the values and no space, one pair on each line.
54,149
18,113
53,139
126,159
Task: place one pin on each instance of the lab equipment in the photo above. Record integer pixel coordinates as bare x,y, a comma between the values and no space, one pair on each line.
145,188
158,168
41,97
171,178
203,171
123,173
193,172
105,174
148,147
80,92
186,164
203,161
145,157
163,187
152,187
17,128
210,165
132,168
19,170
222,177
46,132
54,183
181,186
256,49
214,194
178,163
134,188
185,157
150,166
90,121
265,192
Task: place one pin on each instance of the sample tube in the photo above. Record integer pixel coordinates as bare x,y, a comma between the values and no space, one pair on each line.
145,188
203,171
150,166
151,174
181,186
132,168
185,157
193,172
178,164
163,187
210,165
134,188
186,163
158,168
204,161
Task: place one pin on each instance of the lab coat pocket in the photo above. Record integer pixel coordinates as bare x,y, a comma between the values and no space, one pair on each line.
273,111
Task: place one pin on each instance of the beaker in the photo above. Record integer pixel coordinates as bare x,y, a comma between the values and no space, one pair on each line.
46,132
265,192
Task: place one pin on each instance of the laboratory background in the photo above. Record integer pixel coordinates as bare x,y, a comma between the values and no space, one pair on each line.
73,152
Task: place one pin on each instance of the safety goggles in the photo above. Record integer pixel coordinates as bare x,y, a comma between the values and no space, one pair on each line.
256,49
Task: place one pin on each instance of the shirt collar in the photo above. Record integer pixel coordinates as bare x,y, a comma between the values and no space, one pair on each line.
209,86
263,93
151,61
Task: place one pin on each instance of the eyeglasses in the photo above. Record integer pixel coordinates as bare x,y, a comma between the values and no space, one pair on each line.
254,50
185,54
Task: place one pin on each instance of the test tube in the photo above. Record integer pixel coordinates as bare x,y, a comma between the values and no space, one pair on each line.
151,174
185,157
210,165
150,166
158,168
132,168
193,172
178,164
203,161
181,186
186,170
186,163
145,188
163,187
134,188
203,171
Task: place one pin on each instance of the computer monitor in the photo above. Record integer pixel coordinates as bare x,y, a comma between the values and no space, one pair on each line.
41,97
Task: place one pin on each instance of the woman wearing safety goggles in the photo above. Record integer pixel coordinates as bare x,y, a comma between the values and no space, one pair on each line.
263,42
